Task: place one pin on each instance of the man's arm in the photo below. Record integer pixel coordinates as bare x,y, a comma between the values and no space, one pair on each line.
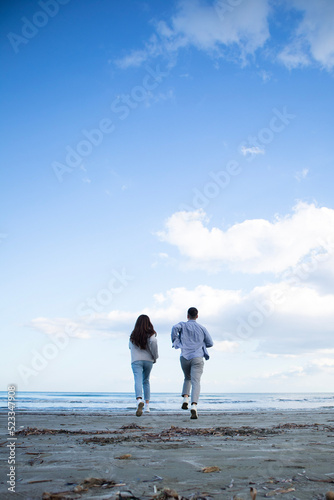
207,338
176,330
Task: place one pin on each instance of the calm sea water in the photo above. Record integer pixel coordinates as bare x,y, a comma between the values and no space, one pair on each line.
167,402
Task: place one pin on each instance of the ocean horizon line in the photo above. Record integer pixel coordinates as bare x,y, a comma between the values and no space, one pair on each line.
167,401
165,392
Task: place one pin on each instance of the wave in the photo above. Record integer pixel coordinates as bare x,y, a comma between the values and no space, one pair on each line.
167,402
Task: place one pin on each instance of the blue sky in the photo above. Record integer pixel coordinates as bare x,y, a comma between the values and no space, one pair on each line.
162,155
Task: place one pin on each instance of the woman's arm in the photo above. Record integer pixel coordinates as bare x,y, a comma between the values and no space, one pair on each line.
153,346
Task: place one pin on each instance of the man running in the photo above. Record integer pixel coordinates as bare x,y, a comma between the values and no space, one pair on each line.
193,340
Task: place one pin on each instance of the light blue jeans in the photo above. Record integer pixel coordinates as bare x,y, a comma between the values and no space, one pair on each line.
141,371
192,369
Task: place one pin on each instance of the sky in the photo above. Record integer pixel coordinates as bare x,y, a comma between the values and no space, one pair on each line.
161,155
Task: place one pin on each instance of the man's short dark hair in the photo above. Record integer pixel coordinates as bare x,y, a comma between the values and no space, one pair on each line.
192,312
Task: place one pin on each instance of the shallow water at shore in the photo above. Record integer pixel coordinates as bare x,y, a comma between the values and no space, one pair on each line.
168,402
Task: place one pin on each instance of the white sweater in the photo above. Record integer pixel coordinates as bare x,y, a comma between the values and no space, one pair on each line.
148,354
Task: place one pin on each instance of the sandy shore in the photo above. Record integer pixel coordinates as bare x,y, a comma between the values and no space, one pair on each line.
282,454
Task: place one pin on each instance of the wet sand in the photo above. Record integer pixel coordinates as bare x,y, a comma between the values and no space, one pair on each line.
281,454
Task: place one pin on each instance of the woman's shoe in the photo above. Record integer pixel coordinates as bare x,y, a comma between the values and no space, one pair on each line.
185,403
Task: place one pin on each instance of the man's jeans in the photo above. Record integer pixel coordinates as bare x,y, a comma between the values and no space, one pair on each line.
192,369
141,371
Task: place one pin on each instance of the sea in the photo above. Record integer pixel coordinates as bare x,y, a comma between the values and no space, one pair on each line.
123,402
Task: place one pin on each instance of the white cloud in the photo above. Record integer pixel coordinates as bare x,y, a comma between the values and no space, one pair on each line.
294,55
289,317
154,47
265,75
60,326
85,327
169,308
163,255
255,150
135,59
235,30
226,346
301,174
296,371
278,318
314,37
163,259
209,26
160,97
329,351
324,362
252,246
212,28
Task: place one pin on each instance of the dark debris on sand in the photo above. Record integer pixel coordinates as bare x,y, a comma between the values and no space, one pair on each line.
34,431
180,431
177,433
89,484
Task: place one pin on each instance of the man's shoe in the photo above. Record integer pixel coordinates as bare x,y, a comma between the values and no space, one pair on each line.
139,411
147,409
193,412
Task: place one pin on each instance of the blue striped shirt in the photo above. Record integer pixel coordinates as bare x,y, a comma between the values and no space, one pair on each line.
192,338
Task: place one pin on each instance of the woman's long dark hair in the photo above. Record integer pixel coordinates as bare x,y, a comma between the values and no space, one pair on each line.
142,331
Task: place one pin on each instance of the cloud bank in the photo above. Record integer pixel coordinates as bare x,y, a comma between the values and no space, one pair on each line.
313,38
236,30
293,314
280,317
252,246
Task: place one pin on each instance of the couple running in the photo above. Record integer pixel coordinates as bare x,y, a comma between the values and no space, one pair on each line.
192,338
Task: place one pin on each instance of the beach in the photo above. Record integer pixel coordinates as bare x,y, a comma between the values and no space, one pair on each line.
283,454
